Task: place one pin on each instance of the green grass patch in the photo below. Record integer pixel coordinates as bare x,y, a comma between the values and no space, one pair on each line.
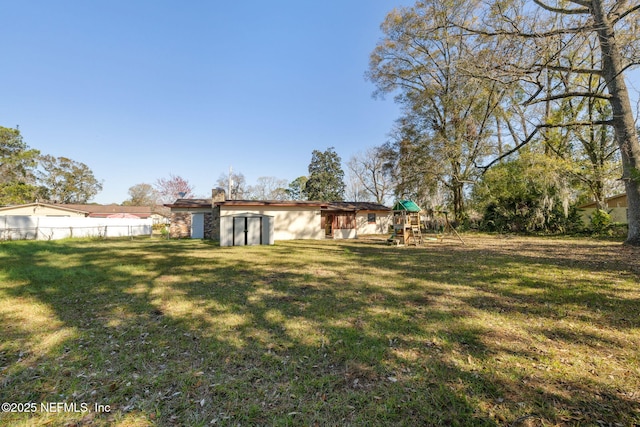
519,331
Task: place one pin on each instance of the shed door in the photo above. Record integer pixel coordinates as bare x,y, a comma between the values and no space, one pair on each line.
254,231
197,226
239,231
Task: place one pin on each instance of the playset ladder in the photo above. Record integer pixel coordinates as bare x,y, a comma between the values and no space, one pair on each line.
416,234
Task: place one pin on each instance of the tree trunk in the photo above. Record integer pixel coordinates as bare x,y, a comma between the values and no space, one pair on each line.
623,123
458,201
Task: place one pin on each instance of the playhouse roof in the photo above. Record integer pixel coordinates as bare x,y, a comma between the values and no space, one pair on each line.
406,205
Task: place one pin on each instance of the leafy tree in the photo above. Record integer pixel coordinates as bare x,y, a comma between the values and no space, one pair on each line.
296,188
142,195
524,194
548,41
173,188
326,177
405,157
448,110
66,180
17,165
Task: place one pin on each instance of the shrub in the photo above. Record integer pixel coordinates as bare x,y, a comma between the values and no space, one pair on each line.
601,221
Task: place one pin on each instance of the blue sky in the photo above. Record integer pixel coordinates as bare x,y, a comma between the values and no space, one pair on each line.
138,90
141,89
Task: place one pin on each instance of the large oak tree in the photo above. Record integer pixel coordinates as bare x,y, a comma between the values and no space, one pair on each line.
541,43
66,180
450,112
17,165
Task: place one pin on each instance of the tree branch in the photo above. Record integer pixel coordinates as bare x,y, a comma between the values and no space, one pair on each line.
510,152
578,11
583,3
573,70
570,95
625,13
518,33
535,131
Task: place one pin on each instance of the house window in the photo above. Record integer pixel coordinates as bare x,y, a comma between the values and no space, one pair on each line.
371,218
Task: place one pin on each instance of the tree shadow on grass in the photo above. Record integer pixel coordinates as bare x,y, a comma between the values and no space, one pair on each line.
184,333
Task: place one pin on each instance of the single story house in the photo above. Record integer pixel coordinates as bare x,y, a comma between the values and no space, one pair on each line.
617,207
43,209
207,218
157,214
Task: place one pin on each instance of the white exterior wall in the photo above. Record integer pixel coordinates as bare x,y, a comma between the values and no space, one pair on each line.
345,233
14,227
618,214
289,223
383,221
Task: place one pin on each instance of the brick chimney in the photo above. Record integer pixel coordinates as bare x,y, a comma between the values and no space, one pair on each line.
218,195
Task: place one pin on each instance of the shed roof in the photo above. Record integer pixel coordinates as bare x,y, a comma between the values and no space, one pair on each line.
406,205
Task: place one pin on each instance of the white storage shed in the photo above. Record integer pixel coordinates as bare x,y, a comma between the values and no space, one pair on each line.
245,229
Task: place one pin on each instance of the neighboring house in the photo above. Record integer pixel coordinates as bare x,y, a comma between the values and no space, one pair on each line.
616,206
287,220
43,209
91,211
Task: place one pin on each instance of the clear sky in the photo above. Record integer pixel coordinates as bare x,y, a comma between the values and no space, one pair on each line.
140,89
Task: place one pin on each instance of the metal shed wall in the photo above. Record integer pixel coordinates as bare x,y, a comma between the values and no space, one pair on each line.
246,229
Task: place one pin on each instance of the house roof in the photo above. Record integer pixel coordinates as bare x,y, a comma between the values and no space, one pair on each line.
358,206
94,211
342,206
66,208
103,211
190,203
285,203
612,200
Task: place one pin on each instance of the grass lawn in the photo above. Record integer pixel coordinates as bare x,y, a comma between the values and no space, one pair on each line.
502,331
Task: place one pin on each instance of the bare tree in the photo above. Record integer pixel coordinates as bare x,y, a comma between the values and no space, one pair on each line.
234,183
367,168
354,191
268,188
